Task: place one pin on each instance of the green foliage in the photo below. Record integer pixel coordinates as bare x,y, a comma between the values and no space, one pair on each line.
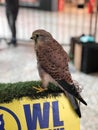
10,91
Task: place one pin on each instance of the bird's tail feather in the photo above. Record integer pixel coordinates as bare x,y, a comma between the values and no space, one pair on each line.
81,99
74,104
71,89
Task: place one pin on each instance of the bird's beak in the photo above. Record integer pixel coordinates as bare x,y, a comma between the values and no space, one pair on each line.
33,37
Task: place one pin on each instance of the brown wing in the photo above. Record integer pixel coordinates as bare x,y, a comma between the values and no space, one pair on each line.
54,60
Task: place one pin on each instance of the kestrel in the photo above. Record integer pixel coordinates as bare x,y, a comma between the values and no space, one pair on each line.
52,61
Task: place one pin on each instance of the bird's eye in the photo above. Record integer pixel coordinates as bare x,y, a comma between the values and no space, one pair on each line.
37,35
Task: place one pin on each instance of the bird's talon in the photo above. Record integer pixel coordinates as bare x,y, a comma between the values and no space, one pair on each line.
39,89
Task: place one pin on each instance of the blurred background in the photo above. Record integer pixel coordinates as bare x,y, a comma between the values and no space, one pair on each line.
73,23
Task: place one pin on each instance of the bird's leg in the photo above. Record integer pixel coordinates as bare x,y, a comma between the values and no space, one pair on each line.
44,79
39,89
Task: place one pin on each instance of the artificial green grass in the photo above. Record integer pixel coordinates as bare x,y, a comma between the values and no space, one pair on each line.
10,91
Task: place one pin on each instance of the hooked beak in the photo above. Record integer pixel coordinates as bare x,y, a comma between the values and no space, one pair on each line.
31,38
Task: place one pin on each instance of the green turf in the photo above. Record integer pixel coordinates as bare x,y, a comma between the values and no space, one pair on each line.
10,91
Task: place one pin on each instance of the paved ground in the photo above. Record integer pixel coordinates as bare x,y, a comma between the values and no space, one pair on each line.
19,64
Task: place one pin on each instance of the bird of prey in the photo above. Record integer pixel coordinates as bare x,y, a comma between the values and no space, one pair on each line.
52,61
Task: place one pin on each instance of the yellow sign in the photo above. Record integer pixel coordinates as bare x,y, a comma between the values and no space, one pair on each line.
41,114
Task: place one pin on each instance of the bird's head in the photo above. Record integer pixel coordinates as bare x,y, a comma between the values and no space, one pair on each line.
40,34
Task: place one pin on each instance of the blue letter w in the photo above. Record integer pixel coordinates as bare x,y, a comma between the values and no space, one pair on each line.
37,114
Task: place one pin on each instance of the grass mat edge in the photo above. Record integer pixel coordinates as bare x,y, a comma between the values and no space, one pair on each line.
10,91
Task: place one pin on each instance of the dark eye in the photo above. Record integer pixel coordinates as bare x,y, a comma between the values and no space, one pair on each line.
37,35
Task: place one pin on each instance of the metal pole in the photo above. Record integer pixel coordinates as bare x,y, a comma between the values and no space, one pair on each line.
91,18
83,19
96,19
